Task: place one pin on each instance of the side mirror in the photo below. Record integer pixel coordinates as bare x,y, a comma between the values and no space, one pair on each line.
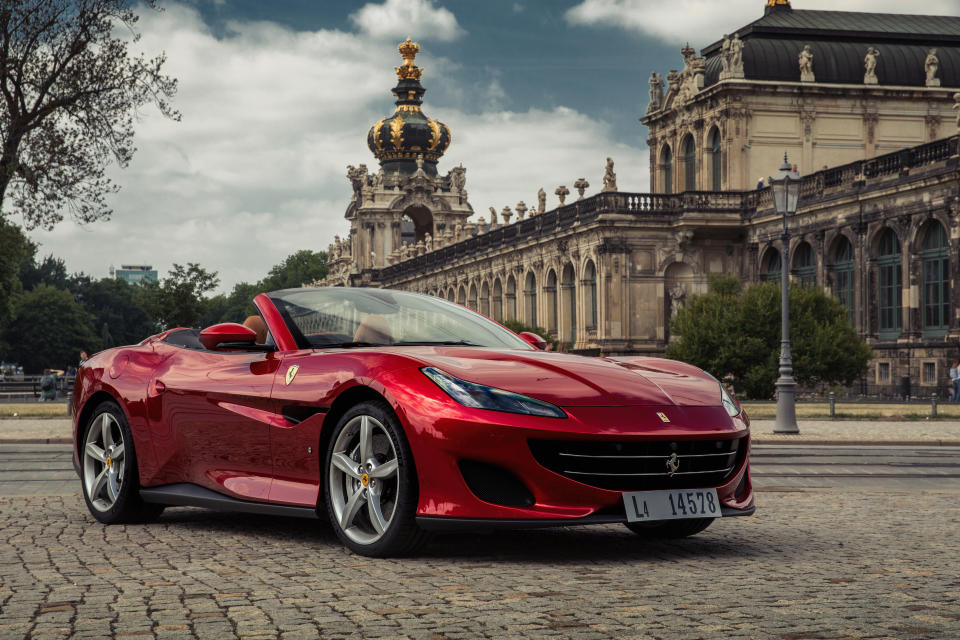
219,335
533,340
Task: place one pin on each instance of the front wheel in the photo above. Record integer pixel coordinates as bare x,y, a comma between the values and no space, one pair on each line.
371,489
670,528
109,469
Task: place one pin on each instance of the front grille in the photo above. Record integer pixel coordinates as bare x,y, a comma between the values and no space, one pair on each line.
637,466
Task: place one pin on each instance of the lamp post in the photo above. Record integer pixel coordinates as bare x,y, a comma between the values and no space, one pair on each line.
786,193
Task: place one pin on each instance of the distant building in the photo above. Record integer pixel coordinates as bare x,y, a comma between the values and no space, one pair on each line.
134,273
866,104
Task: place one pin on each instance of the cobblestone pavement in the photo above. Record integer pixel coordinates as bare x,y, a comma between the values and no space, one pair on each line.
810,564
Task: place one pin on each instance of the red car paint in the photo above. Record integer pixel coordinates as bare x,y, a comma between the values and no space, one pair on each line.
217,418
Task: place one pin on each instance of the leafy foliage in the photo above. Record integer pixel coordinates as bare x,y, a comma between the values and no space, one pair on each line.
518,327
69,94
302,267
734,330
178,301
112,303
49,329
15,250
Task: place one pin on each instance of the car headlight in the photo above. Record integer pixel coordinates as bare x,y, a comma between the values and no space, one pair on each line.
731,405
479,396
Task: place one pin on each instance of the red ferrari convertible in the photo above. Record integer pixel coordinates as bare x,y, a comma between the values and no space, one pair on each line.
395,414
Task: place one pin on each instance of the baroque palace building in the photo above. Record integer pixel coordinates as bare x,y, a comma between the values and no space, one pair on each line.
863,103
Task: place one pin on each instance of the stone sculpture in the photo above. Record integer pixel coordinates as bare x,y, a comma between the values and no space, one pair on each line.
458,179
521,209
493,216
930,66
358,178
609,177
806,65
736,57
656,92
562,192
506,215
581,185
541,200
870,66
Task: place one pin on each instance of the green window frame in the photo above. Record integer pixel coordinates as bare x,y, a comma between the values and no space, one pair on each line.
805,266
772,265
890,286
843,276
936,282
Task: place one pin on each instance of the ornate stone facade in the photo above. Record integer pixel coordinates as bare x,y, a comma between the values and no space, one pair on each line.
878,226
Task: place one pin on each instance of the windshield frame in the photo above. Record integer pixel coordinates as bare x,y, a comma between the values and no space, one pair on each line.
506,339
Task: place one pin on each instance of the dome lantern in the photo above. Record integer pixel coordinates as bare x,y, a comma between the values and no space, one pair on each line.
399,140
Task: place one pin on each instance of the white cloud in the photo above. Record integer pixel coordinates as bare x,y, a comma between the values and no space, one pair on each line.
701,22
271,118
417,19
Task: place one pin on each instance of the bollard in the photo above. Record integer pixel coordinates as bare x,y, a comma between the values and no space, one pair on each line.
933,404
833,404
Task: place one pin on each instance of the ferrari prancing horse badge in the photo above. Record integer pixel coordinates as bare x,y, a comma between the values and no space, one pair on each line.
292,372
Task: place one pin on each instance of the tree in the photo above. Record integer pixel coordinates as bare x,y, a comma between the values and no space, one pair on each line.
518,327
734,330
178,300
299,268
49,329
112,303
15,250
50,270
69,93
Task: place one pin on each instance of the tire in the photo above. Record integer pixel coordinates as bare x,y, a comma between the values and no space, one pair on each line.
372,507
108,469
670,528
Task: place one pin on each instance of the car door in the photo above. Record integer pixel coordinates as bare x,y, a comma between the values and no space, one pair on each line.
213,410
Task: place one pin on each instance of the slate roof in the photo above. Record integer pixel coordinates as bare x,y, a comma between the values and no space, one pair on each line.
839,41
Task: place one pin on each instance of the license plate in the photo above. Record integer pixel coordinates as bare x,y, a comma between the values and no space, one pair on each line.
671,504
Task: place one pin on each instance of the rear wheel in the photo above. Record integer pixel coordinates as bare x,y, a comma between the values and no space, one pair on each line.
109,469
670,528
371,489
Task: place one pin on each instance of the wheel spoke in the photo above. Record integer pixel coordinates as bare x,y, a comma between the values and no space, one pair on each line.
366,440
351,509
386,470
105,435
98,484
95,452
376,514
346,464
113,487
118,453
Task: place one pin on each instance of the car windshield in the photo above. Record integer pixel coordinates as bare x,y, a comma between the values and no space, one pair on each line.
352,317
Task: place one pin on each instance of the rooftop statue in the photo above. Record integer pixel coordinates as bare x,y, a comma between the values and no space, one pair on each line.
870,66
930,66
609,177
806,64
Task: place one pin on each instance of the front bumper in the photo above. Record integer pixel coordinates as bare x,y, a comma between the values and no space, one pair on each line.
443,434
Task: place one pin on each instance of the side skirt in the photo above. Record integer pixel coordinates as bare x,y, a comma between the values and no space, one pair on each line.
184,494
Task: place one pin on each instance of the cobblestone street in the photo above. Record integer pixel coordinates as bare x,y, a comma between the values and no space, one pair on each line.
810,564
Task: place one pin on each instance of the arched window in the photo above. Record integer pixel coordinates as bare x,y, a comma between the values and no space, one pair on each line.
689,164
770,267
553,312
666,169
569,290
462,296
497,300
843,274
472,300
485,299
890,292
590,294
530,297
510,311
716,161
804,264
936,280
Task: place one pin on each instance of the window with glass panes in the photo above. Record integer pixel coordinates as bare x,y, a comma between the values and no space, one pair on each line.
936,280
843,275
689,165
772,269
890,294
716,161
805,265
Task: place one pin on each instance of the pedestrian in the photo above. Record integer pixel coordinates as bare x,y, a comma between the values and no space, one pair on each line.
83,357
955,380
760,184
48,385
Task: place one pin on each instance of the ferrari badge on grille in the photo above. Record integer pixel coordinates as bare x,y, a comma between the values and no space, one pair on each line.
673,463
292,372
663,417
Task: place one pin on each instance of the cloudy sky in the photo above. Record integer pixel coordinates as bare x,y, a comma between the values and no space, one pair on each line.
277,98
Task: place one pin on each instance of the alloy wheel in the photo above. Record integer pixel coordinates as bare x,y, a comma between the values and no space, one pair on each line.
104,462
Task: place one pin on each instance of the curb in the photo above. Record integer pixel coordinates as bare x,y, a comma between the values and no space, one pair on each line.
854,443
36,441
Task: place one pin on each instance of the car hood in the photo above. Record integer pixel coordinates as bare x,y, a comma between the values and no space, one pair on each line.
571,381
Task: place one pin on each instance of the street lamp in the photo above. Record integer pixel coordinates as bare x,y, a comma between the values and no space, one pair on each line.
786,193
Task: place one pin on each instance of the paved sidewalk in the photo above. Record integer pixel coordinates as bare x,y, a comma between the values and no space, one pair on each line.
929,432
